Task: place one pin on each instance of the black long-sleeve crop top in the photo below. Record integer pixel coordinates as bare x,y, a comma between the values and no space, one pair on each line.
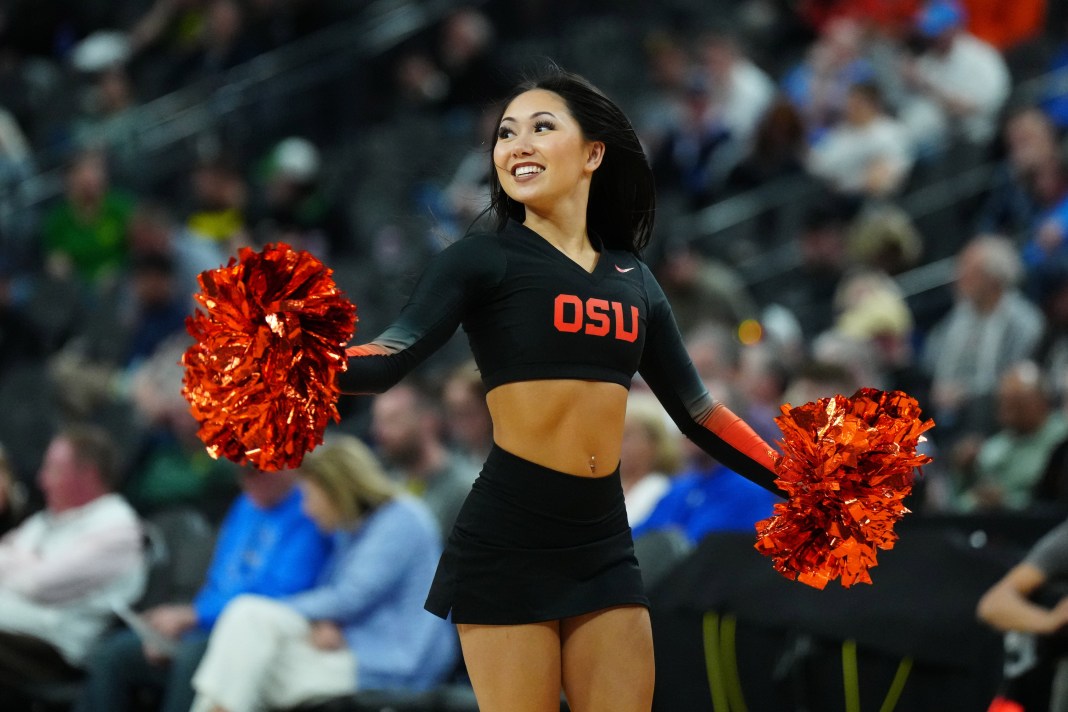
530,312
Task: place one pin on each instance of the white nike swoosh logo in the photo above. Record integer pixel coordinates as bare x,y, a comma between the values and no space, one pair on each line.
624,271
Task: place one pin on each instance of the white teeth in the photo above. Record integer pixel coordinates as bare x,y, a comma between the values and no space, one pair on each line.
527,170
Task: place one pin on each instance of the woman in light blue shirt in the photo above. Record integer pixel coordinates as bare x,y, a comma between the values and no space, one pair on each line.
362,626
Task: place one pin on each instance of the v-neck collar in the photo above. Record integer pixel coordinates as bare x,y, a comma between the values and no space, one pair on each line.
546,246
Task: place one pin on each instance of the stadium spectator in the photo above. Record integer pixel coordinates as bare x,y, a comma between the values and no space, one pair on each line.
220,197
223,42
651,454
1010,463
763,372
1014,201
467,418
169,465
703,289
742,90
808,287
990,327
266,545
362,626
63,568
152,230
1051,289
820,84
85,235
778,150
959,83
704,497
292,206
691,157
884,238
407,428
867,153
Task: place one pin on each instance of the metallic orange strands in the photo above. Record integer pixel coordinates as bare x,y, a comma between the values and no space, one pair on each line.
270,340
847,466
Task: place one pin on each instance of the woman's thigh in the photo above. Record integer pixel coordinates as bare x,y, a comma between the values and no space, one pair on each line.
513,668
607,660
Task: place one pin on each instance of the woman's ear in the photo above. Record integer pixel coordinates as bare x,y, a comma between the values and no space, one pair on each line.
595,155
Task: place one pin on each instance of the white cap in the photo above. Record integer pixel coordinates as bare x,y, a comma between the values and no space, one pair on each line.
296,158
101,50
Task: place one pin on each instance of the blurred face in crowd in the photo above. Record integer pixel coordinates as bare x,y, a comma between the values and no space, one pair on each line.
87,181
147,232
1022,405
153,287
114,91
637,456
317,504
464,35
224,22
218,187
668,63
1031,140
841,42
399,423
860,108
65,482
823,247
466,415
973,283
266,489
718,56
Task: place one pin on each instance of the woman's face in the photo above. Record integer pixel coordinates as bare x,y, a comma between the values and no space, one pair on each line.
317,505
541,155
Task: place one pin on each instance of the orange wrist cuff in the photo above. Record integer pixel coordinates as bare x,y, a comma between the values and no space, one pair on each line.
736,432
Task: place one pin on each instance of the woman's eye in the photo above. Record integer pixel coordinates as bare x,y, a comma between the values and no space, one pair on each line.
503,132
543,126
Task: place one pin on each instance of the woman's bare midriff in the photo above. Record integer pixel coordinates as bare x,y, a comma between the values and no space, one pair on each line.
566,425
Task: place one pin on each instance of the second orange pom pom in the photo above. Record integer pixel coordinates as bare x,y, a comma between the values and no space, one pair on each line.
847,466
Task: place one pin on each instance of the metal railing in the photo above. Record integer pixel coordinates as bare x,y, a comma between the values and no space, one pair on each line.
147,130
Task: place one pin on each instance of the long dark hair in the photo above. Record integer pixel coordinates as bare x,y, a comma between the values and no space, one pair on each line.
622,195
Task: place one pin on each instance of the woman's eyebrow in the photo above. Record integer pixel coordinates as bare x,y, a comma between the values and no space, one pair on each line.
535,114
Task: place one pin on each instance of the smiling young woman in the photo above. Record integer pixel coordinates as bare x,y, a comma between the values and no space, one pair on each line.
539,572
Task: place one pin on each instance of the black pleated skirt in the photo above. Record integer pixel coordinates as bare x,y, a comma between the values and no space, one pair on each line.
533,544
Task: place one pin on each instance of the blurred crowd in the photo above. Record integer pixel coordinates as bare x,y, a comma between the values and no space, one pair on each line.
840,110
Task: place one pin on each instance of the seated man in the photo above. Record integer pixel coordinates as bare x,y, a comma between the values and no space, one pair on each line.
62,568
266,546
1010,464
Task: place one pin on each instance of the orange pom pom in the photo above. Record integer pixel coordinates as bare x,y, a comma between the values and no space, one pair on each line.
847,466
261,378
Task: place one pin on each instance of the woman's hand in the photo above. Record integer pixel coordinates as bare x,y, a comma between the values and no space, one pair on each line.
325,635
171,621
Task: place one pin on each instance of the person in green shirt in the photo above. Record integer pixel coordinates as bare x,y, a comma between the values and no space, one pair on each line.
1010,463
85,235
